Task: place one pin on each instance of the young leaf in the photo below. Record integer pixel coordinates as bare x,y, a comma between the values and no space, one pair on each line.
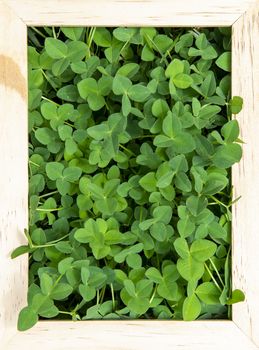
191,308
202,249
27,318
224,61
20,251
55,48
208,293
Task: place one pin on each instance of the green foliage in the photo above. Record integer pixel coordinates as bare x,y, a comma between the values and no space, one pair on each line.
131,145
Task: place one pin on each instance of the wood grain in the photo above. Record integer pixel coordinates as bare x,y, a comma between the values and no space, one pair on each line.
13,160
133,335
245,83
13,178
172,13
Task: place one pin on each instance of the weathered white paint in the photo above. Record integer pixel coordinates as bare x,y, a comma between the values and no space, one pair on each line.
15,16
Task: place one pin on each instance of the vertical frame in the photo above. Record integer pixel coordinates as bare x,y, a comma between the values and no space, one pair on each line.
243,15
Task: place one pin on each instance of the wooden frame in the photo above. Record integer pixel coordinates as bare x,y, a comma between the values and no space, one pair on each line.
15,15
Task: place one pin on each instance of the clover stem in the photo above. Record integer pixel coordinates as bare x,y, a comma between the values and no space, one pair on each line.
90,40
219,202
157,48
54,33
30,169
212,277
57,281
49,210
34,163
142,137
28,237
38,32
234,201
65,312
153,295
79,306
48,79
102,294
127,150
67,123
113,299
47,99
123,47
49,244
217,272
48,194
97,297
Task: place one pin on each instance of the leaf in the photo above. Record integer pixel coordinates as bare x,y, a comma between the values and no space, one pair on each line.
159,231
160,108
68,93
174,68
138,93
196,204
124,34
236,104
202,249
171,126
182,81
77,50
185,227
130,288
102,37
60,66
54,170
55,48
182,248
138,305
46,283
191,308
65,264
72,174
224,61
45,135
27,318
87,87
230,131
182,182
154,275
215,182
20,251
128,70
227,155
134,261
61,291
190,269
147,54
237,296
88,293
73,33
163,214
208,293
121,85
148,182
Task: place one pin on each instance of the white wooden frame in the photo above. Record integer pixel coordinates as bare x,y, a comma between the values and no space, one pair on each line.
15,15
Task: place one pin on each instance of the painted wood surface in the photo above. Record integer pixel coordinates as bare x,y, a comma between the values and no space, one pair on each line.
133,335
13,165
13,179
245,83
130,12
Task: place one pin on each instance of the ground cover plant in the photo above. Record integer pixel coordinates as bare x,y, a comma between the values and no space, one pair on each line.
131,143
